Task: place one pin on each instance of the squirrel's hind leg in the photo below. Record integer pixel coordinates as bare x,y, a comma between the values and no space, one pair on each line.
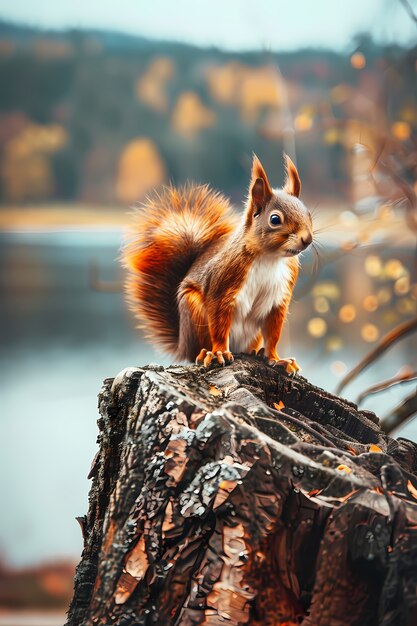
205,357
193,326
220,322
194,330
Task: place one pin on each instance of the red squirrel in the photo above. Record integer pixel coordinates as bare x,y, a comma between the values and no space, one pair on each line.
204,283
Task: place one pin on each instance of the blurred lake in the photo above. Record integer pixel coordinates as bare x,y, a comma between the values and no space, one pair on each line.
59,341
60,338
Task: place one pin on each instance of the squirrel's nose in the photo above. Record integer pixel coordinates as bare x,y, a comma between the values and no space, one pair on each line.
306,239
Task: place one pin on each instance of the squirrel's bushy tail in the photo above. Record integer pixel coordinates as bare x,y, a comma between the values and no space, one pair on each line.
169,232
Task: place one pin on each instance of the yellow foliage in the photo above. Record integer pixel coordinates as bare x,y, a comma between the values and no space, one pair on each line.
25,167
151,87
190,115
140,169
37,138
246,88
223,82
258,89
48,49
27,177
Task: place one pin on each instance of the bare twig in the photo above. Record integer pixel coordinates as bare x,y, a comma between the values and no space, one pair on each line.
409,10
387,341
399,415
398,379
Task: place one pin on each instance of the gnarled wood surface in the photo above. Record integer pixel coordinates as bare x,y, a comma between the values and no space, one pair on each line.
243,496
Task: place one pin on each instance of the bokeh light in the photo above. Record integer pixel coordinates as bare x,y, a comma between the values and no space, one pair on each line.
347,313
334,343
303,122
384,295
373,265
370,303
317,327
402,285
338,368
327,289
369,333
358,61
401,130
321,304
393,269
406,306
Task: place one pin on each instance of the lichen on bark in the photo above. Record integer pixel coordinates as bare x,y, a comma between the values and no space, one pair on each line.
244,496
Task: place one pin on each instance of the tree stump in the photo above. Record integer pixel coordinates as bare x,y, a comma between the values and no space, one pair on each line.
241,495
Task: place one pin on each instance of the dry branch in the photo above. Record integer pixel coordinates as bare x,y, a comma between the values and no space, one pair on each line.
243,496
405,375
397,333
401,413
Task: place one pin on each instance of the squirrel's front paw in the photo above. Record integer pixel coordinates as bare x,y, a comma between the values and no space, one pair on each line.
290,365
205,357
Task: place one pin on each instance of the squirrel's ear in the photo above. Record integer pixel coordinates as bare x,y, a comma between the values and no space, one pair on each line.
260,190
292,183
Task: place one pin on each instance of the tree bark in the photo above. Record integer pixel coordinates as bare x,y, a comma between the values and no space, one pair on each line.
241,495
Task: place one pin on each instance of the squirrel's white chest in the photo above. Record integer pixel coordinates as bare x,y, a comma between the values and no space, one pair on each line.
267,285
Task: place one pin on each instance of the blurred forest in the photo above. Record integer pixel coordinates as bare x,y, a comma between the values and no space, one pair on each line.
102,117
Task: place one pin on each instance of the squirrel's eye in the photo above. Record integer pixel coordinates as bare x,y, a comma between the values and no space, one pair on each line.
275,219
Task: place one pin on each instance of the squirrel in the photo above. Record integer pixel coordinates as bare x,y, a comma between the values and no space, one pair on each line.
204,283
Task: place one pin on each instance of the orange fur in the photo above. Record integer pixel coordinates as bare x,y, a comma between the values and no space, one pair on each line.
273,326
256,344
292,183
189,260
169,232
195,304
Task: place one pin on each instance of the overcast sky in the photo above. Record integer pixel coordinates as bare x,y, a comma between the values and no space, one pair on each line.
231,24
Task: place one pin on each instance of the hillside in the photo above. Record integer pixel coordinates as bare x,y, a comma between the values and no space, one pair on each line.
102,117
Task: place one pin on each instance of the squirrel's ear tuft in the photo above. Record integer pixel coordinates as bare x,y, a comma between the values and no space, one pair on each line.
260,190
292,183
